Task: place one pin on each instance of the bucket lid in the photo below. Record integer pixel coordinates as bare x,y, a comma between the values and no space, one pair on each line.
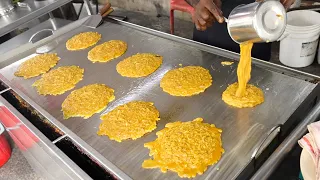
304,19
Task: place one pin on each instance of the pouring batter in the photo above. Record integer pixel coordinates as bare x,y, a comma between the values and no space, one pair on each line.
206,13
207,30
242,94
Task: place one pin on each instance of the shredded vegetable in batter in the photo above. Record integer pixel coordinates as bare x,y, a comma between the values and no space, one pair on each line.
187,148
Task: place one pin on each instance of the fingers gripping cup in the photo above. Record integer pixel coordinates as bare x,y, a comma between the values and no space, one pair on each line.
257,22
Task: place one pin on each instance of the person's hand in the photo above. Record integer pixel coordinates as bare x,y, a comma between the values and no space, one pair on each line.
287,3
206,13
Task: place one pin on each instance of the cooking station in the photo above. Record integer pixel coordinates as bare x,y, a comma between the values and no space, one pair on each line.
71,149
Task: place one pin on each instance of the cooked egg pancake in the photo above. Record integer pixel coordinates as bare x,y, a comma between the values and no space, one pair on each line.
86,101
107,51
187,148
139,65
186,81
83,41
252,96
226,63
129,121
59,80
37,65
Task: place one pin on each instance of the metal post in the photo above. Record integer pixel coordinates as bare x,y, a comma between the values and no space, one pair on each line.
286,146
88,7
62,13
51,15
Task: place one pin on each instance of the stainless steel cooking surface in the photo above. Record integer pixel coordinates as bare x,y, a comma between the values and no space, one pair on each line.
243,129
23,38
6,6
21,15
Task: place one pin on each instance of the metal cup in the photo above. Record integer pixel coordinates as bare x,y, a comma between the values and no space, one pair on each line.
257,22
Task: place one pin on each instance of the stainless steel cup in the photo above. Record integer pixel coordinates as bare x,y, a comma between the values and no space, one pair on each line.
257,22
5,7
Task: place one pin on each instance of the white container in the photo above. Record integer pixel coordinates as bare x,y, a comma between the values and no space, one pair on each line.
303,18
307,165
298,44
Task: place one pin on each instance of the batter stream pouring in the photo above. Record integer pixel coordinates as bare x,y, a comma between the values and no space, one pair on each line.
248,24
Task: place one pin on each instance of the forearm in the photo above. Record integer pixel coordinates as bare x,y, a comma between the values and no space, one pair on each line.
192,2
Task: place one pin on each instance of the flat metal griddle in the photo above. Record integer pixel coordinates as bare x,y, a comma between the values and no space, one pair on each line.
243,129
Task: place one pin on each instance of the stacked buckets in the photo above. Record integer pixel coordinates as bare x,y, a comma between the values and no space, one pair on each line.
299,42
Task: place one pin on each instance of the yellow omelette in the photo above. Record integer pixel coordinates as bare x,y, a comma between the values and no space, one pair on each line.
186,81
87,101
252,96
59,80
186,148
107,51
37,65
129,121
83,41
139,65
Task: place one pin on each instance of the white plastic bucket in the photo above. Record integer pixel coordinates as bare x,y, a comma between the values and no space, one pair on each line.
298,44
303,19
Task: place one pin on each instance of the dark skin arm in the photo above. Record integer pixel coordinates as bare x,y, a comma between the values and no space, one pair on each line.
209,11
192,2
206,13
287,3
